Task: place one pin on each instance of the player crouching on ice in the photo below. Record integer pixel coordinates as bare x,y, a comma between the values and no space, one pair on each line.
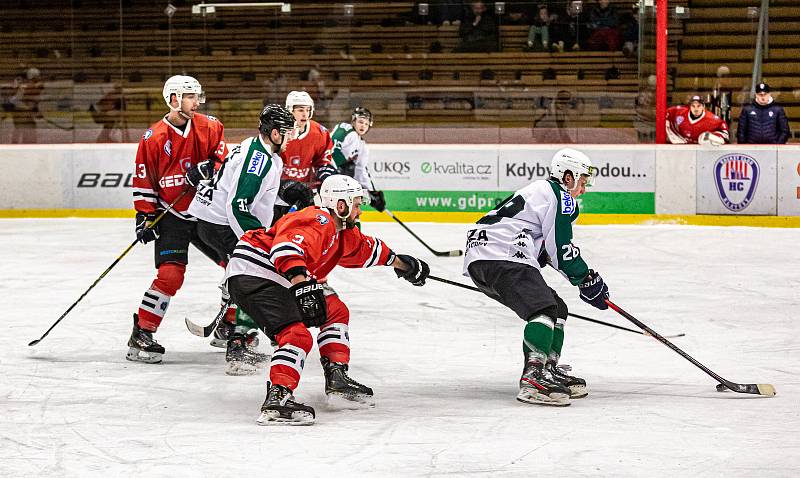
501,259
271,277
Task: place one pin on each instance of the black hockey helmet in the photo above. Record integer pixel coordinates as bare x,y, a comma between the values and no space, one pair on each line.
275,117
361,112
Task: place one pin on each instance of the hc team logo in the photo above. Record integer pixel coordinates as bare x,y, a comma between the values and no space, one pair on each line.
736,176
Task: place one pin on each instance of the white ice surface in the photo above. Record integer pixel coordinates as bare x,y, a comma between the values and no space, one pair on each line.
444,363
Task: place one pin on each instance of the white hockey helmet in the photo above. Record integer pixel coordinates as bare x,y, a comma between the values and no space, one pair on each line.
299,98
340,187
178,85
574,161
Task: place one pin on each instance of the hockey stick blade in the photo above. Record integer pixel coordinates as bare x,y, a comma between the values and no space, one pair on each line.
453,253
202,331
763,389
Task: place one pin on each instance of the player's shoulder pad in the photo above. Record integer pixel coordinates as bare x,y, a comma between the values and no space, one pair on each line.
322,128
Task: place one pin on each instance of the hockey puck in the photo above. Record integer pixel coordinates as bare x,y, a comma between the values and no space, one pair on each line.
721,388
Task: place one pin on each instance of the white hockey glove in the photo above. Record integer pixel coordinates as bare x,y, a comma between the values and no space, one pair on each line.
710,138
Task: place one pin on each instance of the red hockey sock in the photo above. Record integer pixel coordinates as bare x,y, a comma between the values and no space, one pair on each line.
156,299
294,343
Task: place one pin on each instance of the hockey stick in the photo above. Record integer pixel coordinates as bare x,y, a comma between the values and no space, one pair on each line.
202,331
116,261
453,253
764,389
581,317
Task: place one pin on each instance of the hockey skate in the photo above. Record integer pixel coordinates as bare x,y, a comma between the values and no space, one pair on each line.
279,408
242,359
537,386
343,391
142,347
576,385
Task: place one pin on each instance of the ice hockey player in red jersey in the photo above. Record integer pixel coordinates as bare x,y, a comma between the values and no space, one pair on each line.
694,124
272,277
307,158
181,149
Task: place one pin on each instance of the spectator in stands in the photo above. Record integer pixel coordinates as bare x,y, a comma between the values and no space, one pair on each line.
520,13
629,29
763,121
573,25
478,31
447,12
544,29
694,124
109,112
603,26
24,104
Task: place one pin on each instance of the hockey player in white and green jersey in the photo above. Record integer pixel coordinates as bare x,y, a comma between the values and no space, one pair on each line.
241,197
351,153
504,254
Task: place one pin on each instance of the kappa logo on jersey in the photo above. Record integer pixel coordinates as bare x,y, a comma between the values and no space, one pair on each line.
212,118
322,219
147,134
257,162
679,119
736,176
567,203
168,147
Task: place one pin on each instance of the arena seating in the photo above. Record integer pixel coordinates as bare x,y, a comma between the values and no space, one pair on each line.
373,57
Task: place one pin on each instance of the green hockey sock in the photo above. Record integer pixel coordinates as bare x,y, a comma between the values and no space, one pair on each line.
244,322
558,341
538,336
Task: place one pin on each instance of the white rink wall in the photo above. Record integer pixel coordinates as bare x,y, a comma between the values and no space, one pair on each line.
685,180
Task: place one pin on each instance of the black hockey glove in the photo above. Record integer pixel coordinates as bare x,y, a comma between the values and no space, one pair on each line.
311,302
594,291
145,231
296,193
377,200
416,270
200,172
326,170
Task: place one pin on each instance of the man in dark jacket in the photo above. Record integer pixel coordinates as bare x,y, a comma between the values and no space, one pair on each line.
762,121
478,31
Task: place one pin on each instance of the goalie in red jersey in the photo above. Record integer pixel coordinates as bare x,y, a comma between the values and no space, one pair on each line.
694,124
272,277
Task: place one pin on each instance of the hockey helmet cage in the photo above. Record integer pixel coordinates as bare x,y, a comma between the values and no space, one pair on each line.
275,117
340,187
299,98
178,85
574,161
361,112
